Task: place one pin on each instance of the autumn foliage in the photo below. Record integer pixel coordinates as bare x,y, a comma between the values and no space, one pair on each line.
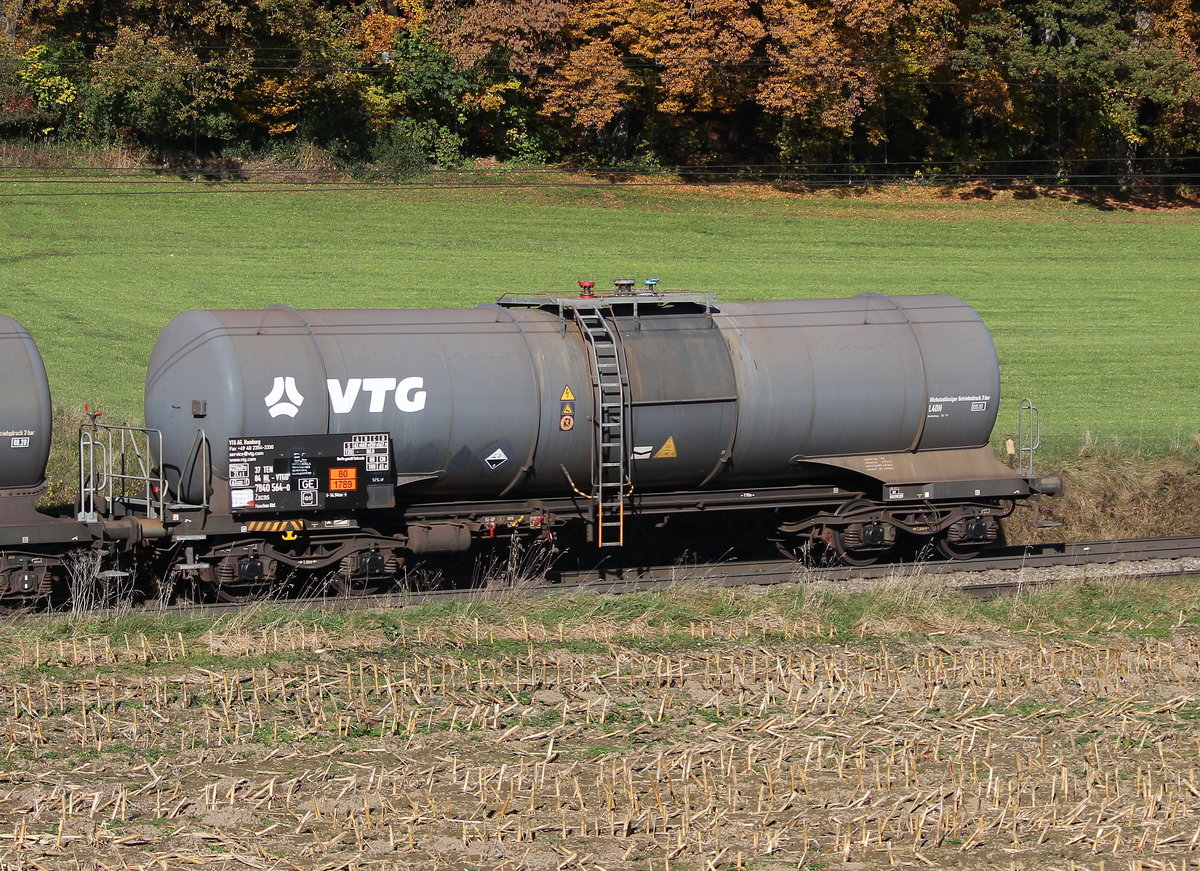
854,83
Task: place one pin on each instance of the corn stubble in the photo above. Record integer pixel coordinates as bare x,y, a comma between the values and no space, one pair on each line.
757,745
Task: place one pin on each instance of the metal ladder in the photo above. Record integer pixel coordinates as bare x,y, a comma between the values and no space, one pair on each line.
1029,439
610,474
1029,436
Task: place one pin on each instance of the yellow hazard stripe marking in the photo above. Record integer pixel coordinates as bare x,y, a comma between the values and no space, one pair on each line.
274,525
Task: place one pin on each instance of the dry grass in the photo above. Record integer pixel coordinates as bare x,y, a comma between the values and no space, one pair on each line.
20,155
1116,493
745,743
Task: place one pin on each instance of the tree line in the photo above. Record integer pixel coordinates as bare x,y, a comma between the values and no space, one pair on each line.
1073,89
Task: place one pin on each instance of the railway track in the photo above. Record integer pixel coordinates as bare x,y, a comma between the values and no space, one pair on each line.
768,572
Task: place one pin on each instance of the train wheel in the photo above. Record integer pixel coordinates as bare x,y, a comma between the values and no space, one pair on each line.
847,554
955,550
372,573
246,578
23,591
981,533
851,543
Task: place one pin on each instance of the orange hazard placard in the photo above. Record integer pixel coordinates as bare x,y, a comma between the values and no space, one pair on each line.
343,479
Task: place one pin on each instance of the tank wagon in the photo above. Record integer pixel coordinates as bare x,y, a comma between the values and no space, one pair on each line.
341,445
33,545
346,442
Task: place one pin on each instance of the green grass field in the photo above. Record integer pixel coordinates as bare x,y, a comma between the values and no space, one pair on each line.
1093,311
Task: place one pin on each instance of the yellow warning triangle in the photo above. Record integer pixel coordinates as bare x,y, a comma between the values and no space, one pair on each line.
567,395
667,450
568,409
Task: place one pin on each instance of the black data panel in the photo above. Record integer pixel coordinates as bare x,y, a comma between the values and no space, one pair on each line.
311,473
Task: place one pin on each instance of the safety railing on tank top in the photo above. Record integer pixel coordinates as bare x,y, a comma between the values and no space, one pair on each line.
117,471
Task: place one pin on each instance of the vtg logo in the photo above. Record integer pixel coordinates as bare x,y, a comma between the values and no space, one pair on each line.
284,386
408,394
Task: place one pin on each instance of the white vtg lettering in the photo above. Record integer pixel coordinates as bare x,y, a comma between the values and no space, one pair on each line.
408,393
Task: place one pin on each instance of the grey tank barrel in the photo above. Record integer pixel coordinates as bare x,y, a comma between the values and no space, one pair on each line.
25,409
499,400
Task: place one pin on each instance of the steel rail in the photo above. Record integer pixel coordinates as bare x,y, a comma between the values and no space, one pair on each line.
759,573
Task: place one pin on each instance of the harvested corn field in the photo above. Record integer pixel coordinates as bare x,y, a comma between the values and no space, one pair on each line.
763,737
